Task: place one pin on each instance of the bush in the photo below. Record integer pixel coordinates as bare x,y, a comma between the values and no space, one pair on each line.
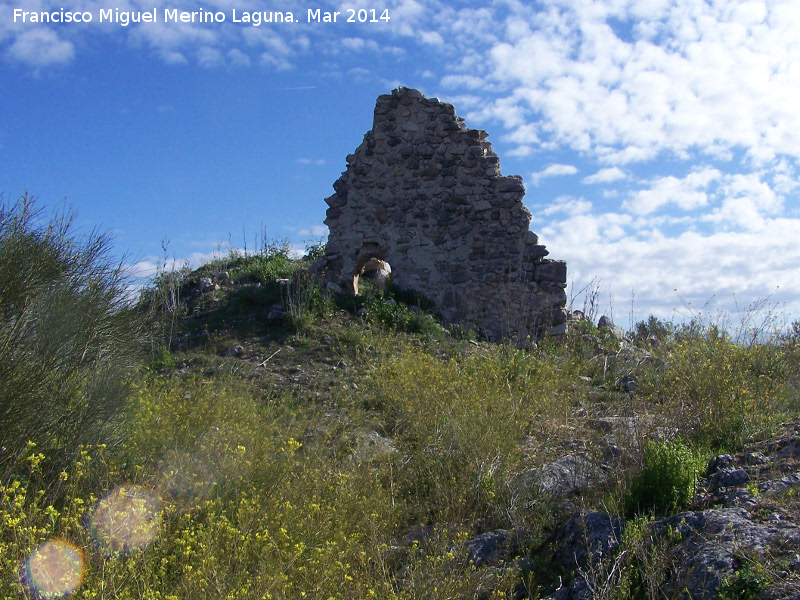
305,302
667,479
399,317
653,327
68,337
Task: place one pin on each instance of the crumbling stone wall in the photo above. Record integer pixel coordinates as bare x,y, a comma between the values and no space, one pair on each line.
425,194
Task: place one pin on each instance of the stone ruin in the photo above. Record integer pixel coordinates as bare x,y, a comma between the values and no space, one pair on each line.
423,203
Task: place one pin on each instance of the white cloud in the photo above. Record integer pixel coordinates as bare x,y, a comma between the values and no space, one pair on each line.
353,43
520,152
748,202
608,175
688,193
464,81
238,58
566,205
209,57
750,249
432,38
651,264
691,76
315,231
40,47
553,170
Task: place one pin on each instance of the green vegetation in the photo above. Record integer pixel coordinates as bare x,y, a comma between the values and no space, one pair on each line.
666,482
746,583
68,339
335,454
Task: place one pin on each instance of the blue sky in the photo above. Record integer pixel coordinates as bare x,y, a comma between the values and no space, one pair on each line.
659,140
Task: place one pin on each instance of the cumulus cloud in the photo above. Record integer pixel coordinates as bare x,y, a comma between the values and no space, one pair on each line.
640,250
566,205
687,193
553,170
688,77
608,175
462,81
203,43
650,265
747,203
238,58
40,47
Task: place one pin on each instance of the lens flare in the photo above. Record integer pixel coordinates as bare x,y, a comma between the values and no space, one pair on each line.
53,570
183,476
126,519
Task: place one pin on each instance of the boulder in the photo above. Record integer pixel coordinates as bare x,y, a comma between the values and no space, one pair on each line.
606,324
585,540
568,475
713,545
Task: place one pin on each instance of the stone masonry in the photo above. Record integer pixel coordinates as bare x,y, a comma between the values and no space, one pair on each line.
424,194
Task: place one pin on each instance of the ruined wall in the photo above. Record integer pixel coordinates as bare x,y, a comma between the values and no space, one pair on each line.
426,195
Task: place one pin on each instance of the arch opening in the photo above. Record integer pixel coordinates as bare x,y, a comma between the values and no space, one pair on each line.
375,271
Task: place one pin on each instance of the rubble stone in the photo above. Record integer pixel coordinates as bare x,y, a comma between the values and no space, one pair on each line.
424,194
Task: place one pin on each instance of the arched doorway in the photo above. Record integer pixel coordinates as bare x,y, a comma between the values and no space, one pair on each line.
375,271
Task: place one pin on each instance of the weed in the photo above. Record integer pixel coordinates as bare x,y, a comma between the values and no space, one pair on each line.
666,481
746,583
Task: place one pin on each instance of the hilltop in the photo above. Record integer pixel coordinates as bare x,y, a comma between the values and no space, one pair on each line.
270,439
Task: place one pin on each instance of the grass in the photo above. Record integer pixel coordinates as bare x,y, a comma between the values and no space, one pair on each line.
347,455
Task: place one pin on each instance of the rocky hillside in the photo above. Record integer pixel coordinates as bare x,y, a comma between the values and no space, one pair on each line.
285,443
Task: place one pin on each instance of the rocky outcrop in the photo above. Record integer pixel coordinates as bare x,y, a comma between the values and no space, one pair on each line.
715,543
424,195
745,525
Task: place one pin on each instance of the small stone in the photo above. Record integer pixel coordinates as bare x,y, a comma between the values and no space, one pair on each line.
205,284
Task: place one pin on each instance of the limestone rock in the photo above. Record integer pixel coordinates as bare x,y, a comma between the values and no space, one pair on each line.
206,285
568,475
276,311
586,539
605,323
489,548
713,542
234,351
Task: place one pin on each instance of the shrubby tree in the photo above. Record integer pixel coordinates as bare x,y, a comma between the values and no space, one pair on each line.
69,337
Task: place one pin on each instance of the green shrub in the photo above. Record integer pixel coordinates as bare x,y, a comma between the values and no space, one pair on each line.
653,327
305,302
315,250
667,479
746,583
68,337
262,269
399,317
